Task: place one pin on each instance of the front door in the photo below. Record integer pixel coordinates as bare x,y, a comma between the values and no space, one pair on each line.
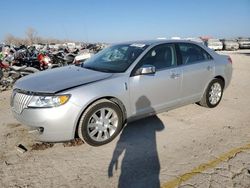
153,92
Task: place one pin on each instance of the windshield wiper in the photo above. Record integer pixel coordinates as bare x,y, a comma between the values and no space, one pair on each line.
98,69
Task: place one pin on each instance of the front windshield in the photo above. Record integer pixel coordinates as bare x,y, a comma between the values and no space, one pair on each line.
116,58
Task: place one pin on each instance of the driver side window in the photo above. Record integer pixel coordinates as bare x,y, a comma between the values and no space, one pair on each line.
161,56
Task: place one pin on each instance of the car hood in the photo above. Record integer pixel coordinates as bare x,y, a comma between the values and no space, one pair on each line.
58,79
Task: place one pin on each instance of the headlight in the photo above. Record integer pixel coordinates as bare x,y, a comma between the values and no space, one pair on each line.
48,101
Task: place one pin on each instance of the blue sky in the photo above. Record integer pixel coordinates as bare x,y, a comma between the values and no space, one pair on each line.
122,20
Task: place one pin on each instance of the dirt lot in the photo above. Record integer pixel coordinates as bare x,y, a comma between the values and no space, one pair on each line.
187,147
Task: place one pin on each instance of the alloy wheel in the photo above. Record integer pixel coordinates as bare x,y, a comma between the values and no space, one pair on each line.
102,124
215,93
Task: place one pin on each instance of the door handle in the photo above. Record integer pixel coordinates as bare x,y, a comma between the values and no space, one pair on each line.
175,75
209,68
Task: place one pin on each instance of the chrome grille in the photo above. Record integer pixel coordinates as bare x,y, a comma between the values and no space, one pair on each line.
20,101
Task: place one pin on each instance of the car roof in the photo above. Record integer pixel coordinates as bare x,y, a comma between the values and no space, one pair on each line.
158,41
163,41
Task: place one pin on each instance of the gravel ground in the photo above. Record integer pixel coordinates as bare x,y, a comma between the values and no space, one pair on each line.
179,148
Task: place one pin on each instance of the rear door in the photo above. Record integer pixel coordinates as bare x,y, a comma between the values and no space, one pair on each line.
198,70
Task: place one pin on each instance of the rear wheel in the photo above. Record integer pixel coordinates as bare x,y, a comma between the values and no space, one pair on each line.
213,94
100,123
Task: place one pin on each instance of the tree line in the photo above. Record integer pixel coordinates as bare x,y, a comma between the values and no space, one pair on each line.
31,37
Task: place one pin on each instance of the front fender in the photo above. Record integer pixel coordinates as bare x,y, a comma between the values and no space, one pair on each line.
85,95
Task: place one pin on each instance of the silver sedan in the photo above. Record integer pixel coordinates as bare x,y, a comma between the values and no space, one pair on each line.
122,83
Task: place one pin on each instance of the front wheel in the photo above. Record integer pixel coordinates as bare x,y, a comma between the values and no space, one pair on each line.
100,123
213,94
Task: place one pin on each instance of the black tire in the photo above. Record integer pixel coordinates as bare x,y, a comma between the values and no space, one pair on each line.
1,74
205,98
31,70
86,116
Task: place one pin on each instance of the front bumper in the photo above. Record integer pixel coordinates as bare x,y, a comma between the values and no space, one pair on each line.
58,123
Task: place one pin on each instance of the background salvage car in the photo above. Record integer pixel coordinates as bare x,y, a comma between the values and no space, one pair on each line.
244,43
214,44
18,61
230,44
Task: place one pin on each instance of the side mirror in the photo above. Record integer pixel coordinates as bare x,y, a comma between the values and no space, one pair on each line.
146,69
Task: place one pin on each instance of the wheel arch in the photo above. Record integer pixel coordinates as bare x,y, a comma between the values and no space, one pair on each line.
113,99
221,78
206,86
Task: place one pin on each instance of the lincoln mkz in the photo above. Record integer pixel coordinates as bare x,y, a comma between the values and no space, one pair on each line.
121,83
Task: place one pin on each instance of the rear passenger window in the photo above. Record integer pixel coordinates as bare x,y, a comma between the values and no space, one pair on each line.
161,56
192,53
